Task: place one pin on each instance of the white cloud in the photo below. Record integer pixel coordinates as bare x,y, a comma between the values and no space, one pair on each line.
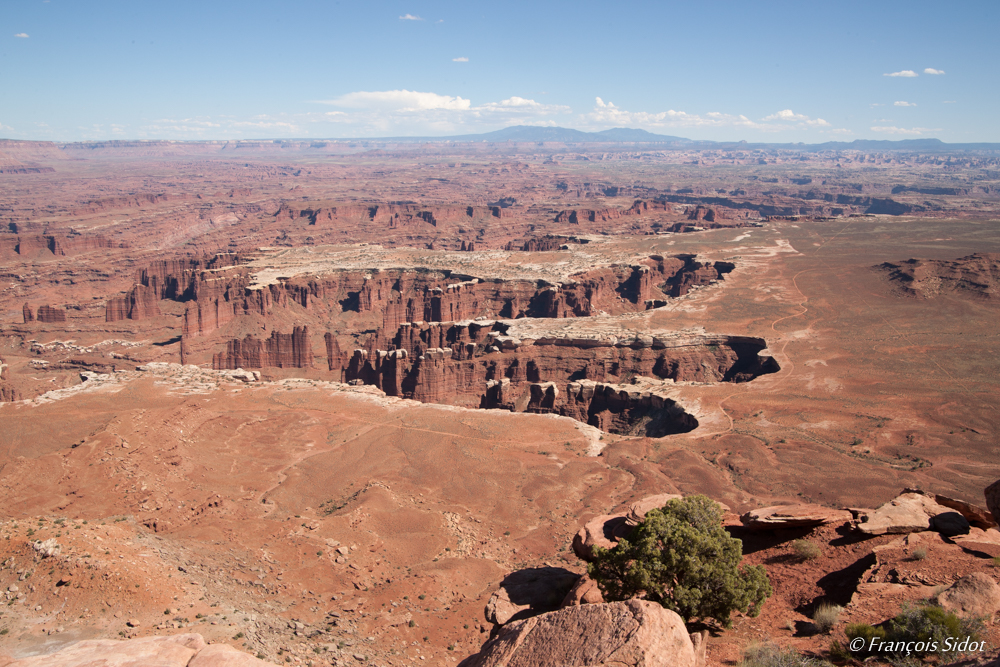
915,131
401,112
24,35
606,113
410,17
950,102
401,100
876,104
461,59
908,73
789,115
901,103
931,70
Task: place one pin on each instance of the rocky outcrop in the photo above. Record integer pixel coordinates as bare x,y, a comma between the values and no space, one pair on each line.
50,314
603,531
140,303
189,650
620,634
992,494
475,364
793,516
910,512
638,510
8,392
28,313
584,591
622,409
976,276
976,595
292,350
975,515
528,593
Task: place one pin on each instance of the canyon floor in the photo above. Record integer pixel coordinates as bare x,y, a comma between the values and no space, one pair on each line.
319,401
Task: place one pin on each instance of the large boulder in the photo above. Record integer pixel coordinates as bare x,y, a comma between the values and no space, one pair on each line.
599,532
793,516
187,650
975,595
992,494
637,511
529,592
910,512
636,633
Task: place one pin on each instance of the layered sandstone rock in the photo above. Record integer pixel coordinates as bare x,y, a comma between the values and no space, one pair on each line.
975,515
910,512
793,516
28,313
50,314
620,634
140,303
292,350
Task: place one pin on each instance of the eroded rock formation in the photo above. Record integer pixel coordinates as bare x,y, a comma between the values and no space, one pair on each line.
293,350
976,276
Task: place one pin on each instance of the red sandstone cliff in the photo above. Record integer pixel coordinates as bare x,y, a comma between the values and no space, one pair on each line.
292,350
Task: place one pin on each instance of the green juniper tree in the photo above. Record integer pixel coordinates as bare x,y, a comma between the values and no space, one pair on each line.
681,557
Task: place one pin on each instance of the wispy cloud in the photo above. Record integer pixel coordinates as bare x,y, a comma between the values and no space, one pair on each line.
395,112
22,35
606,113
901,103
791,116
931,70
401,100
913,131
908,73
950,102
410,17
461,59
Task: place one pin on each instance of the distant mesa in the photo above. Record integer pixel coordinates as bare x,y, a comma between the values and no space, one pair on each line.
974,276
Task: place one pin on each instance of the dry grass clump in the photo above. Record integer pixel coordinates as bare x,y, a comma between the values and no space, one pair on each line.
772,655
806,549
825,616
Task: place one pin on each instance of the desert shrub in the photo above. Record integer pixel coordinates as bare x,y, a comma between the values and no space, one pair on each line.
825,616
919,553
771,655
806,549
924,631
681,557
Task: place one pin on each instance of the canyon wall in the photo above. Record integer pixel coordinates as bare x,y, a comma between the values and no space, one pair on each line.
292,350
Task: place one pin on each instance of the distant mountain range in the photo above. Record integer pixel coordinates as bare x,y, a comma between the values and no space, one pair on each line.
532,133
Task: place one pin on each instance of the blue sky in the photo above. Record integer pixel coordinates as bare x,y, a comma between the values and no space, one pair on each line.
775,71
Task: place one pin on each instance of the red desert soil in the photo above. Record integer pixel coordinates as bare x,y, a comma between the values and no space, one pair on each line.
414,370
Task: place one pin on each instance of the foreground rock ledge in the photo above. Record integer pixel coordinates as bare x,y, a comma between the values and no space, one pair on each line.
189,650
620,634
